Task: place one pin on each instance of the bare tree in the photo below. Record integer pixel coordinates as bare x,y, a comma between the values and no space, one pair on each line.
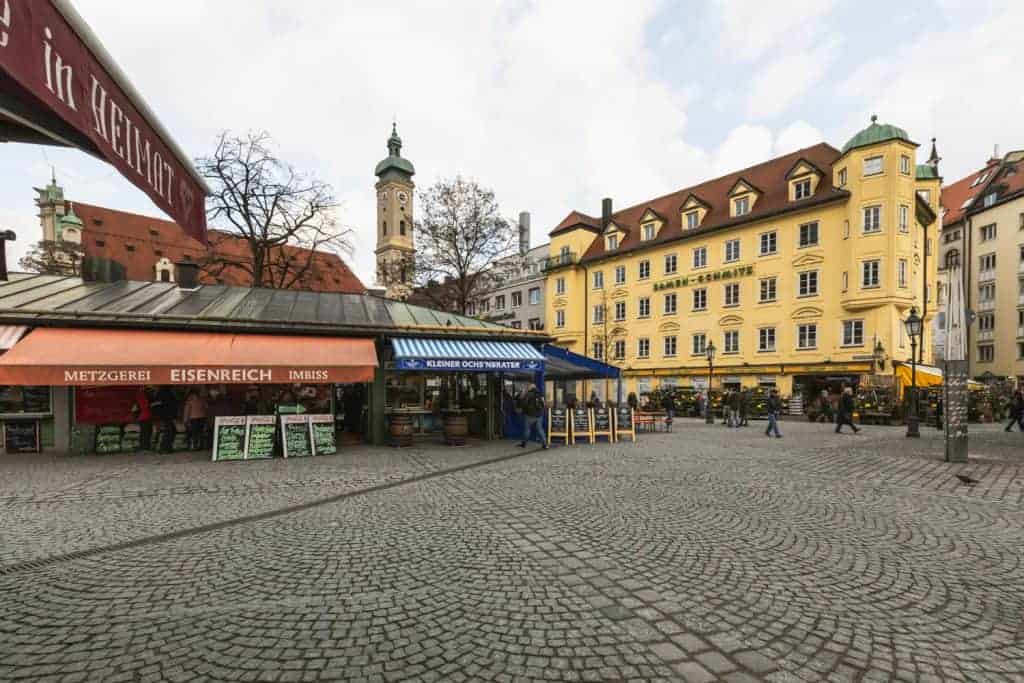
460,237
54,258
285,217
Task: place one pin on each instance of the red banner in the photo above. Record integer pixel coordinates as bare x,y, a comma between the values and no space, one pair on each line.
41,52
104,405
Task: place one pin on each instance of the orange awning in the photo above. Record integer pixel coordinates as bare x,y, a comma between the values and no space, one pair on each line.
80,357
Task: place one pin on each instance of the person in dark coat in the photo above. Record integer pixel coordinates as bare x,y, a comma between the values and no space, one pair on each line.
532,407
734,409
845,415
744,407
774,409
165,410
1016,409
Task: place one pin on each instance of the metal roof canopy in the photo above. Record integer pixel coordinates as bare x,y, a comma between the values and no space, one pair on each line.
562,364
59,301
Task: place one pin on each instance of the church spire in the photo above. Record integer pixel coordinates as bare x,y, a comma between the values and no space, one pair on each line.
934,159
394,142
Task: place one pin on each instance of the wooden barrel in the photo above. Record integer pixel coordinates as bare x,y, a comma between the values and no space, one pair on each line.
400,429
455,429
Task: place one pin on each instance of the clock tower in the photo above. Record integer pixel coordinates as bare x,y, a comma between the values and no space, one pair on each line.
396,252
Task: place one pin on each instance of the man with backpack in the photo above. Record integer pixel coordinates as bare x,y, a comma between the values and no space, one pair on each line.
532,407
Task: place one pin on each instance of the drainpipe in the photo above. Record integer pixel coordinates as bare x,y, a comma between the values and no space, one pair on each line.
966,243
586,325
924,306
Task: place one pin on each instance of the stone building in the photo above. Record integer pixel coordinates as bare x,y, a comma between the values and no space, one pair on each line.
396,249
517,297
799,271
983,230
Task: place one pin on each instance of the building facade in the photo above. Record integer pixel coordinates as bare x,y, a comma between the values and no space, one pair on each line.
396,249
145,248
516,298
983,230
800,271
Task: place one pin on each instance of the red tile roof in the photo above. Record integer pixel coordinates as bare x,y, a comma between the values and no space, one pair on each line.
768,177
138,242
576,219
955,195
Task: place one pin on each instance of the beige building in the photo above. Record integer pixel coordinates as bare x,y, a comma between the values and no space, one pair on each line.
983,229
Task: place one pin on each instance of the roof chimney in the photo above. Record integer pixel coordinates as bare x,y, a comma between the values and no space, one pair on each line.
524,232
995,151
5,237
606,212
187,275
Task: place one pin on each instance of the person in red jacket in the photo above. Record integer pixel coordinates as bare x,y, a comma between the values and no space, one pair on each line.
143,414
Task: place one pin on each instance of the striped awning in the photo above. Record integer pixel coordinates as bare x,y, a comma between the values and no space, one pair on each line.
466,355
11,335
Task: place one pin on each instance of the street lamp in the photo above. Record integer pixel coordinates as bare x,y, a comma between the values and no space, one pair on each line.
914,325
710,352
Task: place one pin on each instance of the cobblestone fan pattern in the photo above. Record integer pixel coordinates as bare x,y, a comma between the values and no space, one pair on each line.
701,555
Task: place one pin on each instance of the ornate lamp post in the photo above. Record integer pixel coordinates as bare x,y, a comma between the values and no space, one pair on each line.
914,326
710,352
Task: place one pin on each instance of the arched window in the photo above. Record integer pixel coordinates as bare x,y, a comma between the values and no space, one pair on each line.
952,258
165,276
385,226
401,227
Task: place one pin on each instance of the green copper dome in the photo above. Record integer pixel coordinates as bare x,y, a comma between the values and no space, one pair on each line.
70,218
394,160
875,133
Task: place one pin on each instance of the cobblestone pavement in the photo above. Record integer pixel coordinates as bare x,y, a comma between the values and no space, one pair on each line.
707,554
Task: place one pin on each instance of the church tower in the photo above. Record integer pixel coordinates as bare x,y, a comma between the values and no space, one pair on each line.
395,251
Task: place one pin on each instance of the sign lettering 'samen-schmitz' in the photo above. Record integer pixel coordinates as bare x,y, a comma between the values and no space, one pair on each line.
41,53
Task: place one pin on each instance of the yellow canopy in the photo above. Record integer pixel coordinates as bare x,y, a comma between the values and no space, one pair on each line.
927,376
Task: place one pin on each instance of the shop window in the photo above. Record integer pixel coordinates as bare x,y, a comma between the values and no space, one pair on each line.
22,401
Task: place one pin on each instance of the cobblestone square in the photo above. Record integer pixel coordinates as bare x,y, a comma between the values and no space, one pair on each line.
702,555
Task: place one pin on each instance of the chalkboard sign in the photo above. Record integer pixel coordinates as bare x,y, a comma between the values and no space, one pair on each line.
558,424
322,427
108,439
21,436
582,422
259,436
228,438
296,436
624,423
603,423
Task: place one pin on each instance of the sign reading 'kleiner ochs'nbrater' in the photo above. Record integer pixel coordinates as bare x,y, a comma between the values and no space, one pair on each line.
466,364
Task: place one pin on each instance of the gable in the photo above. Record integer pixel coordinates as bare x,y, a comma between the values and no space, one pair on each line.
743,187
801,168
808,260
730,320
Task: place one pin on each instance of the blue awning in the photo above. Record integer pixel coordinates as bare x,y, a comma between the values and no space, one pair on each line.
466,355
563,364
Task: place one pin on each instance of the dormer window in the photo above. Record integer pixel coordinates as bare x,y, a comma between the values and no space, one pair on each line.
612,242
741,206
990,199
802,189
648,231
842,177
692,220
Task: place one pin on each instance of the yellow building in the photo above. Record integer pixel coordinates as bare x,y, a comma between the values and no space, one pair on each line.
799,270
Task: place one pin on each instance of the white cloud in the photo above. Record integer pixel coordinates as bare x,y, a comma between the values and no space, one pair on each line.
780,84
744,146
797,135
956,84
752,28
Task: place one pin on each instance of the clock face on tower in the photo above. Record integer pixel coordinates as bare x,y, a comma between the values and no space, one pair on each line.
402,197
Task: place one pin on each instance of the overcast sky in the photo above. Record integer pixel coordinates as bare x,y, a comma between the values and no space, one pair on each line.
552,104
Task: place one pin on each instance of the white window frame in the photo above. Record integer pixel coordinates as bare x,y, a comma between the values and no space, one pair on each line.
598,315
619,352
612,242
762,336
513,298
806,336
731,287
620,275
499,302
647,232
598,350
643,347
533,296
700,257
801,244
851,329
868,164
598,279
620,306
901,273
701,293
876,266
644,270
808,283
644,307
774,287
692,220
674,298
904,218
772,236
734,347
741,203
674,260
841,177
904,164
801,189
698,343
871,223
732,251
675,346
560,286
560,318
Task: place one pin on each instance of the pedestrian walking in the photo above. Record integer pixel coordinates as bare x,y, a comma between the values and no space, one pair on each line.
532,407
845,414
668,404
143,414
774,408
938,413
1016,409
734,409
744,407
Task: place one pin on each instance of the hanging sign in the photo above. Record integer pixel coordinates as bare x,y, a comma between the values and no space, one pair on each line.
582,424
322,427
624,425
61,92
295,436
229,438
558,425
259,436
603,424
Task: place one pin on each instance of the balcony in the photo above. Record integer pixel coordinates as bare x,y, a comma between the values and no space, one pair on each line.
988,305
560,261
987,275
986,335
